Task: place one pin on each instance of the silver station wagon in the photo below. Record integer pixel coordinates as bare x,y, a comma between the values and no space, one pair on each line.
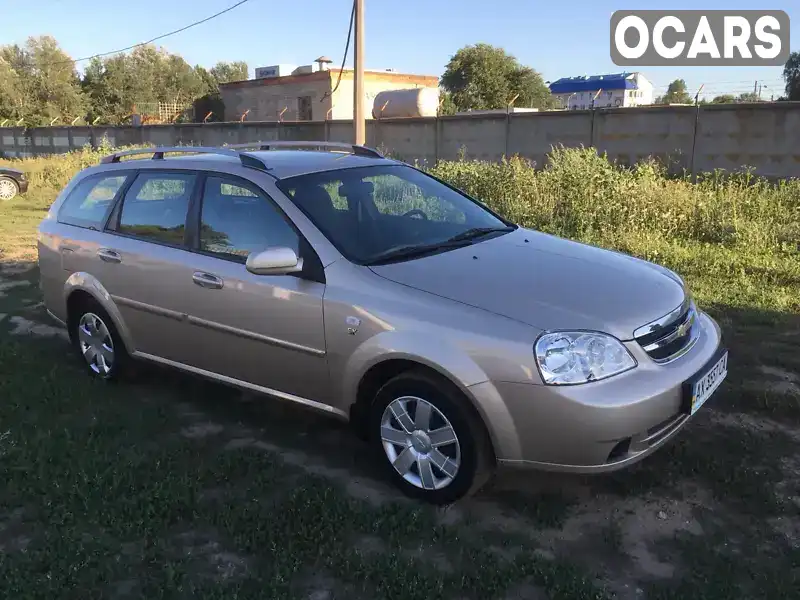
325,274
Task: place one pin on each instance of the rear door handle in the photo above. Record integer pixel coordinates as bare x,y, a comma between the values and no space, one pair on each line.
108,255
207,280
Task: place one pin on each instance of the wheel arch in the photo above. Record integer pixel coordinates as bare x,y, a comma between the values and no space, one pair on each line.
447,365
82,286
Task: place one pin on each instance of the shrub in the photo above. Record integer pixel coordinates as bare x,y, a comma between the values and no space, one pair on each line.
582,195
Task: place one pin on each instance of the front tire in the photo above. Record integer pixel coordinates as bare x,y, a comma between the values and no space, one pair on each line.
97,342
8,188
429,439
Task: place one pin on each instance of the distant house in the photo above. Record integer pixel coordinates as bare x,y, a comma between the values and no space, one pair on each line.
617,90
313,92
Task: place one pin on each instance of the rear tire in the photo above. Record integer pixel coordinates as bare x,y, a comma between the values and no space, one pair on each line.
430,441
97,342
8,188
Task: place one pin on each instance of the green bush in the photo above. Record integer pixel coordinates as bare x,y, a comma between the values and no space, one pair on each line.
582,195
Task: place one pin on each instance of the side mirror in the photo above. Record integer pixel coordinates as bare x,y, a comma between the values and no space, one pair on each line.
278,260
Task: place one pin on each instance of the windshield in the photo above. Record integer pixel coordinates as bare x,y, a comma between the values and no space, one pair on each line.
389,211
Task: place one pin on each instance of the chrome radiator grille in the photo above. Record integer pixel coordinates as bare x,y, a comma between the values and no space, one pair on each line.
669,337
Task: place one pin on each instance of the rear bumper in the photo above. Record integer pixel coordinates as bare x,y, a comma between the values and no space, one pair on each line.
23,186
606,425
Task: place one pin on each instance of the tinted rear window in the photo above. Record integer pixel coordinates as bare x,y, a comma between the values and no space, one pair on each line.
89,204
156,205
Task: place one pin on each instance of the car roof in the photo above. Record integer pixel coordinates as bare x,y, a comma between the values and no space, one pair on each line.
288,163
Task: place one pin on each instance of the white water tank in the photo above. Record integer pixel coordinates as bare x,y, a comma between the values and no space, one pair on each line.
413,102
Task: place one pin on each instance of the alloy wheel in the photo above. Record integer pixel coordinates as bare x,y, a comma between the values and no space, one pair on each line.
420,443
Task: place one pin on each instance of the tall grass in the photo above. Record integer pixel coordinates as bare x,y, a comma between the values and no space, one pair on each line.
584,196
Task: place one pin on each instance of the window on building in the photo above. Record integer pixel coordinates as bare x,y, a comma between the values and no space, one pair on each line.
304,108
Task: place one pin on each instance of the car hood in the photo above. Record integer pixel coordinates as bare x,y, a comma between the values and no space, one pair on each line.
546,282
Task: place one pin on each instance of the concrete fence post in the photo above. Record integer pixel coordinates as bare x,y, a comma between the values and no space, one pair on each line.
436,135
692,166
16,145
508,133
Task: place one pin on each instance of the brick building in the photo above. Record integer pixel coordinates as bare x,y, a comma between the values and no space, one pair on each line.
309,96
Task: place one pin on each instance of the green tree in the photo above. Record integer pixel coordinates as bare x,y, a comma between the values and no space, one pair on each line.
791,75
484,77
118,85
676,94
12,98
724,99
446,104
38,83
225,72
748,97
211,100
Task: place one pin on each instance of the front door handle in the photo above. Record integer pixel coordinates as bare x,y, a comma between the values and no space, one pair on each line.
207,280
108,255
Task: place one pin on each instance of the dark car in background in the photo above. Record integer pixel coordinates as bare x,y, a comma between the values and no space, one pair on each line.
12,182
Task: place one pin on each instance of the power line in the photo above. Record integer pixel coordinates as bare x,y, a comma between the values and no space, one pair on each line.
150,41
344,58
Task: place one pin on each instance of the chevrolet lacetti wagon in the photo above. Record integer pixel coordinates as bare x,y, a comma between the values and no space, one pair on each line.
328,275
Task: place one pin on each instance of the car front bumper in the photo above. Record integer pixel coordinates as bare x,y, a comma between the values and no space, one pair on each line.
23,185
600,426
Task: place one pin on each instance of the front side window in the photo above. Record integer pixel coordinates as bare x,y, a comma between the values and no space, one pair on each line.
369,213
156,205
90,203
237,219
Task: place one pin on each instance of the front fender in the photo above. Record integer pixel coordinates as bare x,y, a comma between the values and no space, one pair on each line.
448,360
89,284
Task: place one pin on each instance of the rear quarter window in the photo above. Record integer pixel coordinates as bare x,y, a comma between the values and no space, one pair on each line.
90,203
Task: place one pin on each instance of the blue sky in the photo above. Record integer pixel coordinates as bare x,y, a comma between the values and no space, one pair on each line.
558,39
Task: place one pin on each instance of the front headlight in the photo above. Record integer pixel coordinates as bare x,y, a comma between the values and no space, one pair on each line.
570,357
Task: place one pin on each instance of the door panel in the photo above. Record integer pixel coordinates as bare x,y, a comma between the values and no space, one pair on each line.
266,330
263,329
146,287
144,261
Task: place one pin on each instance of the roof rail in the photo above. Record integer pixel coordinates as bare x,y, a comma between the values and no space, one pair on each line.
332,146
158,154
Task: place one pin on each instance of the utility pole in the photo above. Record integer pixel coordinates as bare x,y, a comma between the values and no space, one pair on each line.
359,126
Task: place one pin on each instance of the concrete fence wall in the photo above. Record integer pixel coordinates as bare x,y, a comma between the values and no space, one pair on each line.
765,137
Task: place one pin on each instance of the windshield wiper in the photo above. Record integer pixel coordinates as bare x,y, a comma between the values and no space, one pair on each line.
412,251
462,239
476,232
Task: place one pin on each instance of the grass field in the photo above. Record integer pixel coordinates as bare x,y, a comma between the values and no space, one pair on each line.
172,487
